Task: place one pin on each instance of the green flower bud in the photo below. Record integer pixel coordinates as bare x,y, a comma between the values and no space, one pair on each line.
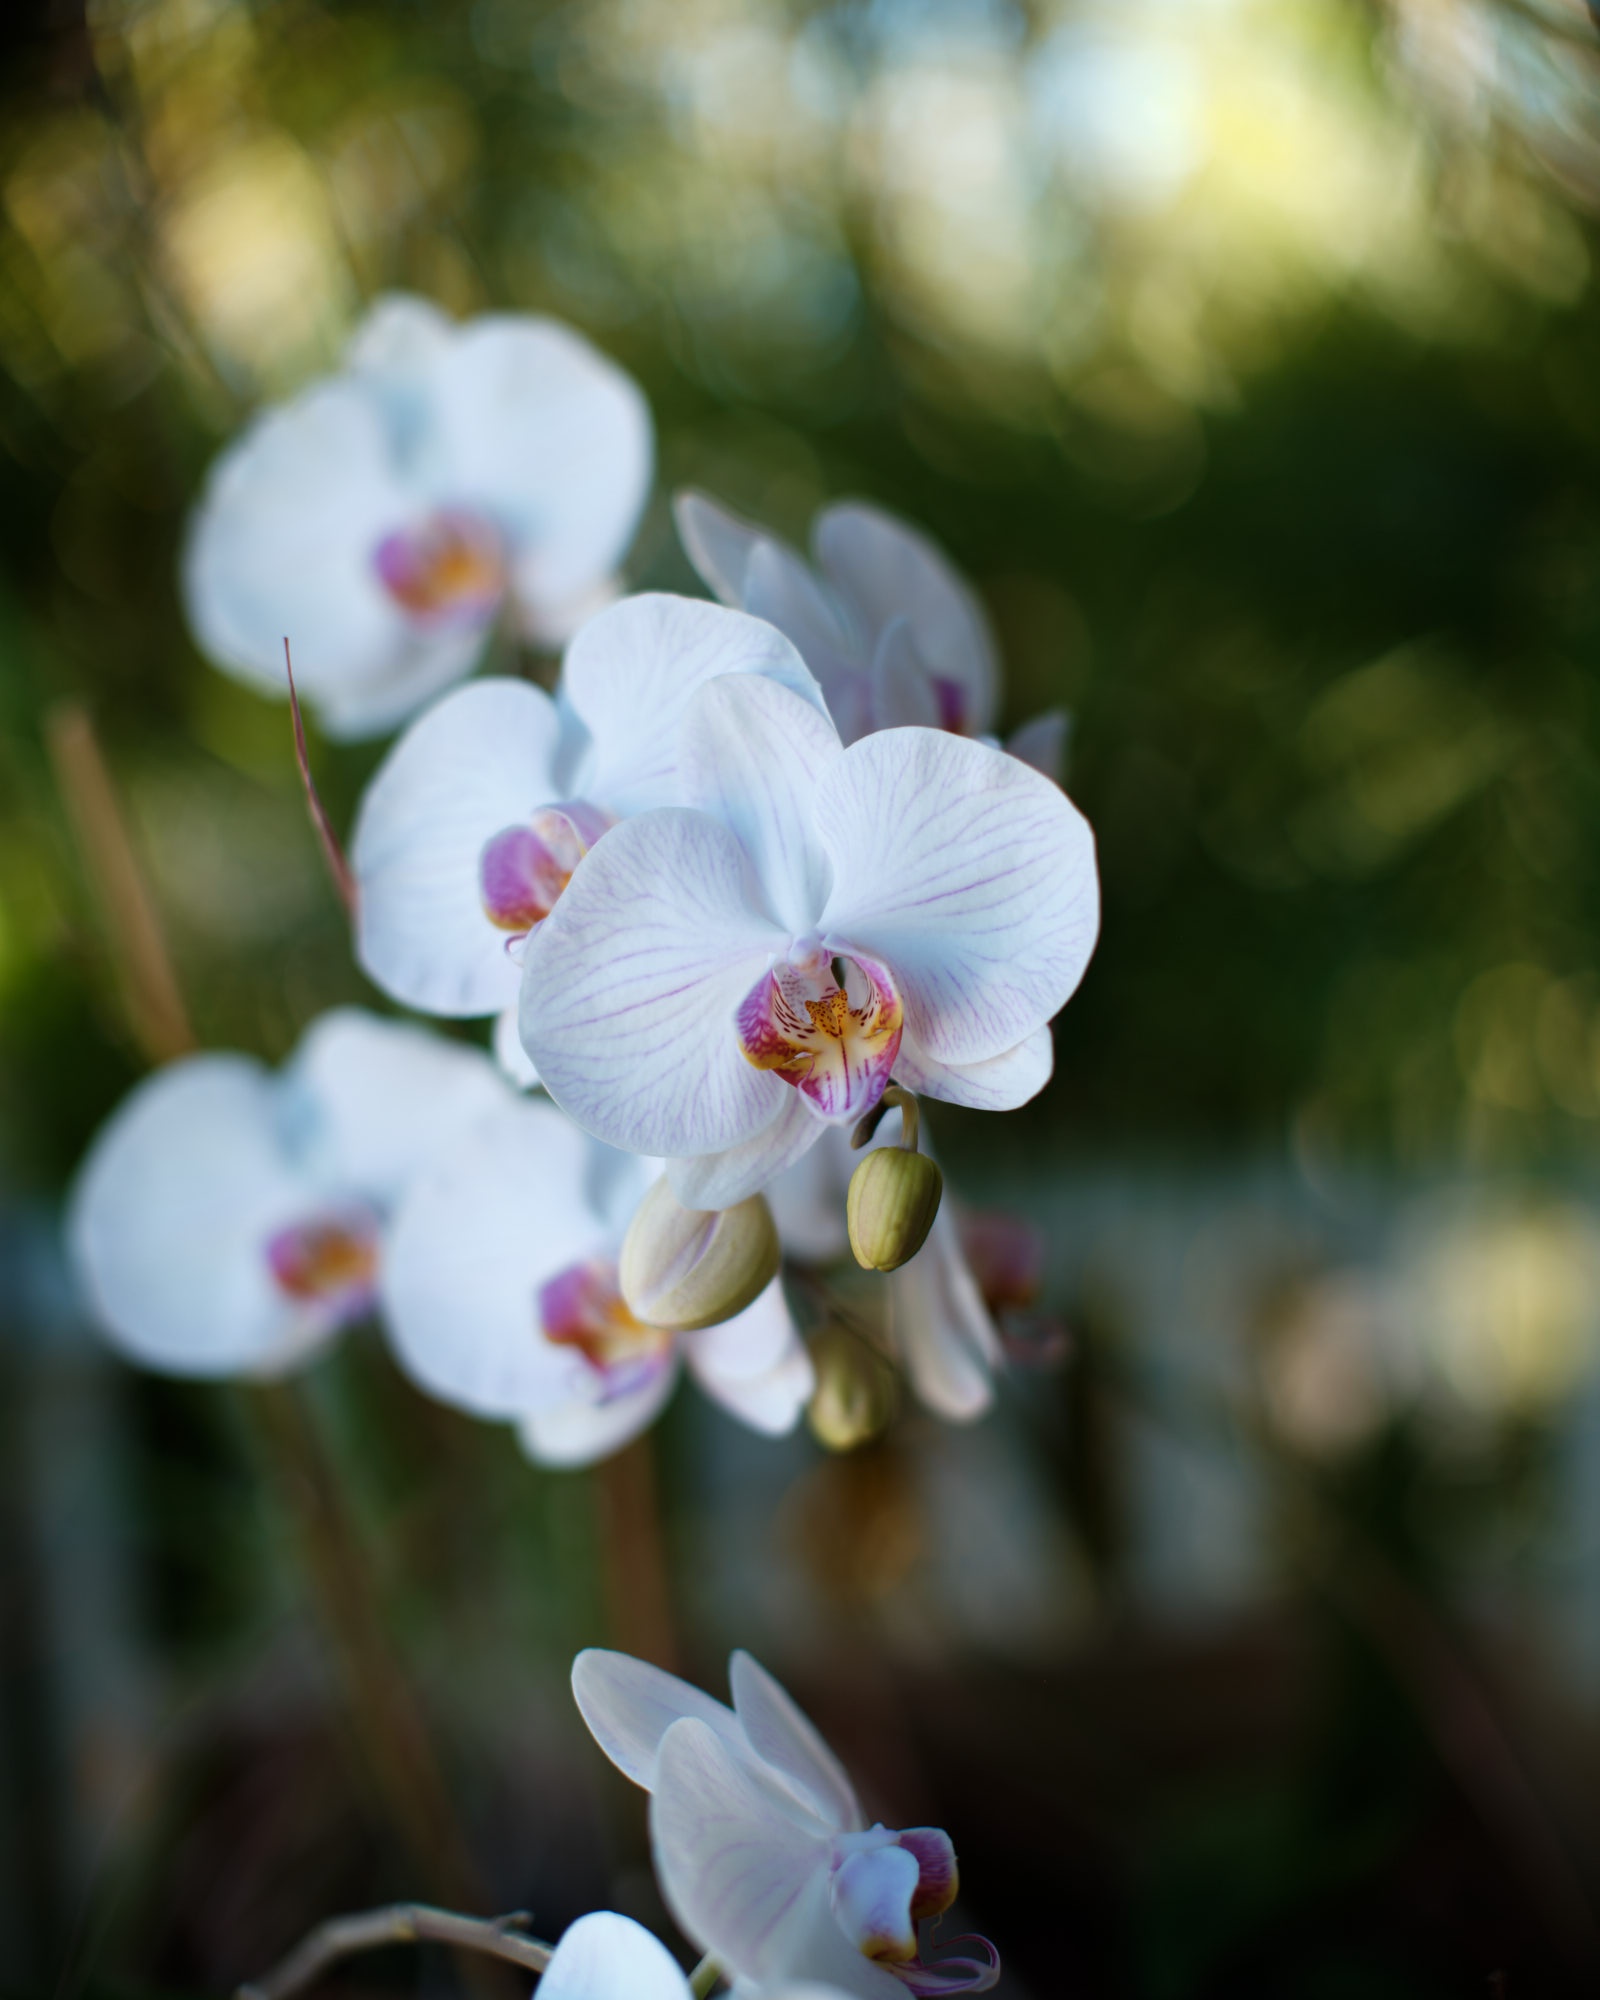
894,1196
684,1268
855,1394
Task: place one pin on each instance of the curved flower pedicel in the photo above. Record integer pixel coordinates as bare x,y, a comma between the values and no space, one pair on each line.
761,1848
720,984
230,1221
385,518
475,821
882,617
500,1293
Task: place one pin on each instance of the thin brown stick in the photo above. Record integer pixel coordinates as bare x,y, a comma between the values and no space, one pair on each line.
633,1558
332,849
399,1923
384,1712
150,992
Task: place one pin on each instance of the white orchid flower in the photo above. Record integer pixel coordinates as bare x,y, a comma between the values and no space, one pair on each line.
501,1297
229,1220
938,1323
385,518
761,1849
721,982
477,818
607,1957
882,617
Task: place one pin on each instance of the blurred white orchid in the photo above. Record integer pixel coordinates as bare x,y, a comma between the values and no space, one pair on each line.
229,1220
475,821
884,620
501,1296
761,1849
718,984
386,517
607,1957
938,1323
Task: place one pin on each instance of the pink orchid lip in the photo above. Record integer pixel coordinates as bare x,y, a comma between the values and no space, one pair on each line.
446,571
836,1044
582,1308
523,870
328,1261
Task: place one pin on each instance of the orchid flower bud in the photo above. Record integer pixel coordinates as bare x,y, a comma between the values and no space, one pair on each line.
894,1193
685,1268
855,1394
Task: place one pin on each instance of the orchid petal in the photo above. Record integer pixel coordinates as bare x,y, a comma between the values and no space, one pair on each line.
751,754
755,1364
884,569
367,1101
718,542
509,1053
607,1957
999,1083
807,1200
629,1706
499,1213
630,985
281,543
902,694
632,673
483,759
554,440
970,876
871,1893
942,1328
749,1345
786,1739
580,1433
745,1868
719,1180
170,1217
1043,742
780,589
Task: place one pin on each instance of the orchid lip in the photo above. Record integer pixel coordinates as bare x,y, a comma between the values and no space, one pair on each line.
328,1262
931,1981
582,1307
835,1042
447,571
523,870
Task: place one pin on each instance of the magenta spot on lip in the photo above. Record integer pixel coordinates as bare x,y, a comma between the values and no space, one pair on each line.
583,1308
836,1045
448,570
523,869
328,1261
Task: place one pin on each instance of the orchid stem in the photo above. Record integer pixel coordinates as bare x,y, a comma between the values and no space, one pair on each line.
382,1707
704,1977
633,1558
398,1923
151,996
896,1097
